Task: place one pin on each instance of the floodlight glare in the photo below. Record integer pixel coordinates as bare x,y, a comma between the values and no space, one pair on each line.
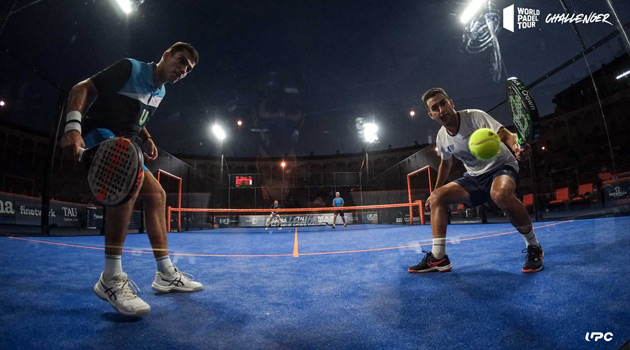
623,75
125,6
218,132
369,132
471,10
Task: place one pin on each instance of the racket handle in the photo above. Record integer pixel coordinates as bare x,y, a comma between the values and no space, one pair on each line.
86,155
81,151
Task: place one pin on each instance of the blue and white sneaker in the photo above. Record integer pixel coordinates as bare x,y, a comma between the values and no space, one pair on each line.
122,294
177,281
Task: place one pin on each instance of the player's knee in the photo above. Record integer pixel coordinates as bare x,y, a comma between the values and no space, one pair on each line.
501,198
155,197
438,197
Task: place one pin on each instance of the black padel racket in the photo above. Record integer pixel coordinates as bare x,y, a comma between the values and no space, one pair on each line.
524,112
115,170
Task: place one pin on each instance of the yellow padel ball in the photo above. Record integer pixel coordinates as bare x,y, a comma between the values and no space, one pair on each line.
484,144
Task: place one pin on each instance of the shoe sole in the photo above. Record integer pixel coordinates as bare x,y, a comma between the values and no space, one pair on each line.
533,270
137,313
163,289
433,269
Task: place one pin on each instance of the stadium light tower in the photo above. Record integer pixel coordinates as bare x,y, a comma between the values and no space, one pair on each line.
283,165
370,136
220,135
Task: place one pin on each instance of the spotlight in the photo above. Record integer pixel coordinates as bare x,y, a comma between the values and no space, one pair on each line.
370,132
218,132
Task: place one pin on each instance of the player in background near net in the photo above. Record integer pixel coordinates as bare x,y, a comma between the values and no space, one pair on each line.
274,215
126,95
494,179
338,203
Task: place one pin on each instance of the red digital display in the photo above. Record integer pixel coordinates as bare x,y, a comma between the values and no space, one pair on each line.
243,181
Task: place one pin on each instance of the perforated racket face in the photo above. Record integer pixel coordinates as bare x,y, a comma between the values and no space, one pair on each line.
116,171
520,118
524,112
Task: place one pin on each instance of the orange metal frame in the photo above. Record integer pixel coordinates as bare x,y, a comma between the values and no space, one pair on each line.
421,212
179,199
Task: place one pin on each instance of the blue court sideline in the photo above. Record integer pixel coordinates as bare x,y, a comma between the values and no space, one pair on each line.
357,295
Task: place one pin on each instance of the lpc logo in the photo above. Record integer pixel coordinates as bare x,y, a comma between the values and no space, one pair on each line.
595,336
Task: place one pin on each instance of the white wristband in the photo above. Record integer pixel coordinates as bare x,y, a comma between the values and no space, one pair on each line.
73,121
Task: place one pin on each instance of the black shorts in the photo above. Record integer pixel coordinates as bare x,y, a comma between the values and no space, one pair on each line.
339,212
478,187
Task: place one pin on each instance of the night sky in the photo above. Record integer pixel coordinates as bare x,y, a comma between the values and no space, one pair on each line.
349,59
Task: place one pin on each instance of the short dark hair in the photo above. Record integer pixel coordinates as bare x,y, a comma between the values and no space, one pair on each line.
181,46
432,92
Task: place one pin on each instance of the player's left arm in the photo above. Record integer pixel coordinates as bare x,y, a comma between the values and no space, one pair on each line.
511,141
148,146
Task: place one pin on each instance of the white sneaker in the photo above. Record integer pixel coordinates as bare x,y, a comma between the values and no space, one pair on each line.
280,228
176,282
333,225
121,293
344,224
266,228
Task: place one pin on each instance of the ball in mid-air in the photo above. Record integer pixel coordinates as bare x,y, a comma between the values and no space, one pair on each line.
484,144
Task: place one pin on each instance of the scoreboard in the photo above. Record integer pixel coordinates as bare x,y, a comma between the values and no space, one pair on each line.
244,181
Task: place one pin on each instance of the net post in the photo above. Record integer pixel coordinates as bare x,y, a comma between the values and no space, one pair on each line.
168,219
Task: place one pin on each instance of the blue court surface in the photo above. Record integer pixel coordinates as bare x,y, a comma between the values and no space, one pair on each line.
348,289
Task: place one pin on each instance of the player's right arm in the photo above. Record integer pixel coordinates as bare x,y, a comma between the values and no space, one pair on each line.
443,172
108,81
77,101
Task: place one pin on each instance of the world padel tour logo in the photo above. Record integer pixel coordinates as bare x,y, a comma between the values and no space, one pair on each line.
527,18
